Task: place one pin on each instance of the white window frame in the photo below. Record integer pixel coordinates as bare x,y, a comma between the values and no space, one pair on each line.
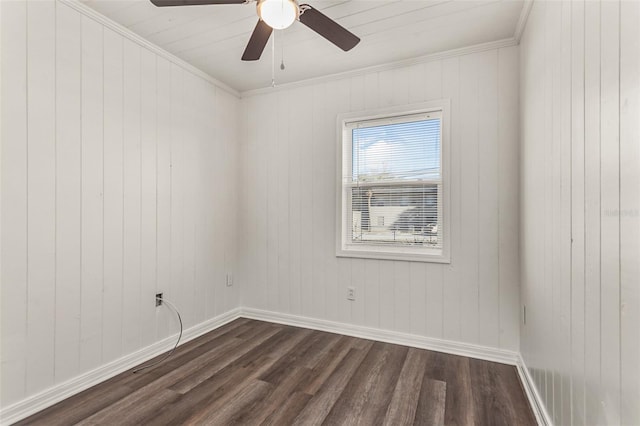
394,252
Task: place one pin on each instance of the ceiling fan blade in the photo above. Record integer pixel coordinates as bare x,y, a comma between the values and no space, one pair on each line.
328,28
164,3
257,42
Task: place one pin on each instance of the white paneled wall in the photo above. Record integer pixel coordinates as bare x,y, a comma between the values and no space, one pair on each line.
580,235
288,205
119,173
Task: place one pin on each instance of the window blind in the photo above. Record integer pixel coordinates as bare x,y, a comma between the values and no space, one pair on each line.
393,182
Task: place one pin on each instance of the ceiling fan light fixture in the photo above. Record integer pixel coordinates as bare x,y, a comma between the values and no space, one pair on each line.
278,14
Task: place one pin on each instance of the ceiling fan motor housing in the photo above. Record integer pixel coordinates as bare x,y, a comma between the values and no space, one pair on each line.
278,14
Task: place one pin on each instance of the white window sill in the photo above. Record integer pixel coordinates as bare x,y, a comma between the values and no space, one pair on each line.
386,255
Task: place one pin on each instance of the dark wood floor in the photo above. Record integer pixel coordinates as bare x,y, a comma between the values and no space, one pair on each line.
251,372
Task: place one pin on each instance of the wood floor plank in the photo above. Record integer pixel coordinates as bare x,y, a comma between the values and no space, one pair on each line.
252,372
366,397
278,395
493,387
404,402
133,412
285,414
323,401
431,403
454,371
305,353
509,381
326,365
317,352
213,392
208,367
246,399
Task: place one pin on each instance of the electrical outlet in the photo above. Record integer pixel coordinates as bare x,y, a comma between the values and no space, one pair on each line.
351,293
158,299
229,279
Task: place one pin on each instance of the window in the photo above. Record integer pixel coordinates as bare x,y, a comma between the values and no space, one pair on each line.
393,197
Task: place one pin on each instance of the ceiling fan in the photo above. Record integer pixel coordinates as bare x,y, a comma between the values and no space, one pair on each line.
280,14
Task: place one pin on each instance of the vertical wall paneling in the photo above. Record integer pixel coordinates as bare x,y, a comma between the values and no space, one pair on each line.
249,192
306,200
452,281
402,295
629,211
68,192
94,219
112,326
233,170
386,296
163,188
41,172
325,135
610,220
176,292
148,200
577,328
434,277
131,338
217,218
593,210
358,273
187,142
579,68
296,222
336,98
488,212
458,301
13,312
418,298
202,253
563,238
92,231
469,192
271,195
331,278
508,205
282,198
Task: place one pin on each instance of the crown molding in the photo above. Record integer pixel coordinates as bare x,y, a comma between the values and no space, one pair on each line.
507,42
125,32
522,21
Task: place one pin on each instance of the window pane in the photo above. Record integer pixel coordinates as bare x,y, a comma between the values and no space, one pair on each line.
403,151
399,215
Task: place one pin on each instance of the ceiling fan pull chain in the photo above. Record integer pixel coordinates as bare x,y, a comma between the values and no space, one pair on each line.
273,60
282,54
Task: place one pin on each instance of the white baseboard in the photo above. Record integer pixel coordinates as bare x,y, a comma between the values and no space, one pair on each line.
537,405
440,345
57,393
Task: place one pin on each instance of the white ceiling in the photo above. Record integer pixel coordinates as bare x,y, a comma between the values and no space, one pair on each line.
212,38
